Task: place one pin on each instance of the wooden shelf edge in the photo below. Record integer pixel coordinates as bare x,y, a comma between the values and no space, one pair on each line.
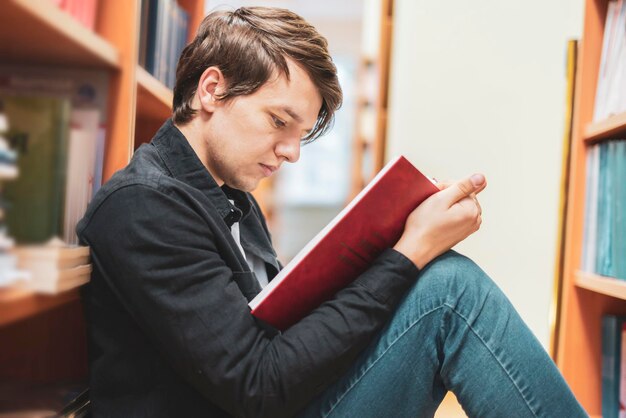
65,25
606,128
154,99
600,284
18,304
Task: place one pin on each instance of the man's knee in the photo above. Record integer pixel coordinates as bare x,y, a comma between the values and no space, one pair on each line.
452,275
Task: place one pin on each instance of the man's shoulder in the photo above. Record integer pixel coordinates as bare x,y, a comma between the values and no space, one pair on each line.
143,171
145,177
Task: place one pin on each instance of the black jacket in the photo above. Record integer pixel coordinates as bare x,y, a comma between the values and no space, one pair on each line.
170,331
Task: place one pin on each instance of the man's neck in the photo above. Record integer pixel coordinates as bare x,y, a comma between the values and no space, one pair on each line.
193,133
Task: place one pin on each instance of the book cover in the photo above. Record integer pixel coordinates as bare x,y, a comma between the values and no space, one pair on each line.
51,281
611,367
54,254
82,148
622,376
152,21
143,32
604,213
618,224
38,131
372,222
599,111
88,92
585,258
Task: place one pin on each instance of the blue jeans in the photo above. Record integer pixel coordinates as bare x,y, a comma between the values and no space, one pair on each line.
454,330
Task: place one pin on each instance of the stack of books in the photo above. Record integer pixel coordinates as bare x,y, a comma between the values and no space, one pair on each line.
8,171
54,267
604,243
611,90
164,28
58,127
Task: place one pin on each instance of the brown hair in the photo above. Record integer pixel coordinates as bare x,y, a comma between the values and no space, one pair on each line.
248,45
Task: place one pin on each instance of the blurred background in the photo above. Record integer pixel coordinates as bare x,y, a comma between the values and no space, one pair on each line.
457,87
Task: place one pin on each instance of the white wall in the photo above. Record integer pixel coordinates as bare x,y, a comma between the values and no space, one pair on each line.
480,86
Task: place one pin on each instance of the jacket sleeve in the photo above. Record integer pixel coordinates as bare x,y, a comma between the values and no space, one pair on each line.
163,260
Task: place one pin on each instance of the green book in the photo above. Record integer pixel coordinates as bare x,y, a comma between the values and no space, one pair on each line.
38,131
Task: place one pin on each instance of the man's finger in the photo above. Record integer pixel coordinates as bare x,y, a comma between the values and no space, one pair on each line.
444,184
464,188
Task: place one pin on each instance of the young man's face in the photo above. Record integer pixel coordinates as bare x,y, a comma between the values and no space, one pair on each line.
249,137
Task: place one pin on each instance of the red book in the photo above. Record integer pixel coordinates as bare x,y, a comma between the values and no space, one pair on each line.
372,222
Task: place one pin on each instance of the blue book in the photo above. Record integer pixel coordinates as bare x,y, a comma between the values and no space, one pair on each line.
619,211
151,35
611,364
603,259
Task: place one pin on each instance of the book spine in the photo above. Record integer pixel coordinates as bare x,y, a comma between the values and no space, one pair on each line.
611,350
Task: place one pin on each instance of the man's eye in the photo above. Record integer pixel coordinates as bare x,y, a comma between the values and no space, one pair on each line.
277,122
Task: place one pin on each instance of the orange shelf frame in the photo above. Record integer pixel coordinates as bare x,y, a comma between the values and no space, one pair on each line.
154,99
586,298
18,304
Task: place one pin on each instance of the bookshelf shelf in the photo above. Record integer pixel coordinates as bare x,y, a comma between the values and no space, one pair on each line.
603,285
154,99
39,32
46,334
18,304
604,129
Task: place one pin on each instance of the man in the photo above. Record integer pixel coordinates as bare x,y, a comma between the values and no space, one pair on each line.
179,247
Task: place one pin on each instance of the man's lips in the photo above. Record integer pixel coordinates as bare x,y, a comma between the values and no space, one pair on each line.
268,169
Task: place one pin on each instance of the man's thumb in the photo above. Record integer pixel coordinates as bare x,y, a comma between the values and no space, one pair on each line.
465,187
478,180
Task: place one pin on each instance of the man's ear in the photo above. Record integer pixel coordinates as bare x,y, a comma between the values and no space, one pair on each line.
210,86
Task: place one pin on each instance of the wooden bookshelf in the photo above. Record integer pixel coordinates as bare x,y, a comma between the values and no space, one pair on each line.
43,337
39,32
154,99
368,145
608,286
18,304
614,125
586,298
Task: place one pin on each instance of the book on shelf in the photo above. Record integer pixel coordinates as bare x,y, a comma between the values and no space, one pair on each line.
611,85
604,239
613,366
81,161
82,10
372,221
79,144
9,274
162,38
53,267
38,131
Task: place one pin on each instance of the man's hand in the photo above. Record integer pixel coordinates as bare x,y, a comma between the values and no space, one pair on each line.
442,221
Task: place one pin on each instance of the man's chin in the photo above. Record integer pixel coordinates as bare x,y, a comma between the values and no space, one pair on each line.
245,185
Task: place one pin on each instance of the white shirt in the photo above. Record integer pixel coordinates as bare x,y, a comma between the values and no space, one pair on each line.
256,264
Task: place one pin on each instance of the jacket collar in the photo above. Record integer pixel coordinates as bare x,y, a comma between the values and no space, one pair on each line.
184,165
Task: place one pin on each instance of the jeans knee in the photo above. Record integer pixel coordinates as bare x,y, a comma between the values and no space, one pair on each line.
452,276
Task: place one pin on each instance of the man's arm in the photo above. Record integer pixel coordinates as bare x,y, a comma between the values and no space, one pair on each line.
164,260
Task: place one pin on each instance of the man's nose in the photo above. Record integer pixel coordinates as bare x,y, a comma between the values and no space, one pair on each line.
289,149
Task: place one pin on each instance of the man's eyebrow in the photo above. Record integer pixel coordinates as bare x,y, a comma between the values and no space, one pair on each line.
293,114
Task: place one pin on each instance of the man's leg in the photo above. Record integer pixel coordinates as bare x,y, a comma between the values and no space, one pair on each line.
454,330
